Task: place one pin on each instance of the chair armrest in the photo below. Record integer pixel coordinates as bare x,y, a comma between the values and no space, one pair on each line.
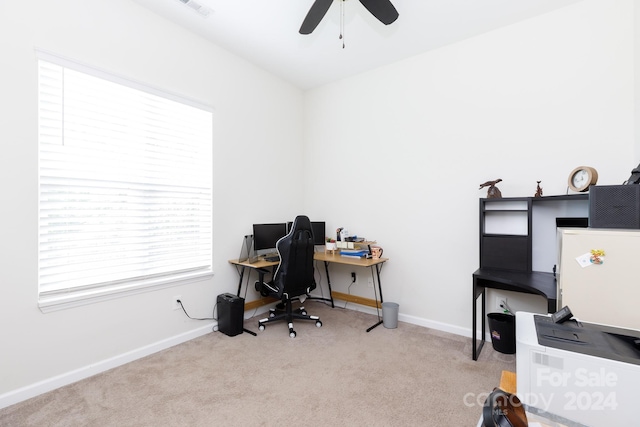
261,273
260,285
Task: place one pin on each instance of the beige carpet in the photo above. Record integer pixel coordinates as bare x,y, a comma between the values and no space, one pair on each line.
334,375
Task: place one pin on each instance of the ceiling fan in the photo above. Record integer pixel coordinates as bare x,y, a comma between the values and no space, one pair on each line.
383,10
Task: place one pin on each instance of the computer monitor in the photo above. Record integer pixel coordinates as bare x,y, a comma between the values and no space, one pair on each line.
265,236
318,229
319,235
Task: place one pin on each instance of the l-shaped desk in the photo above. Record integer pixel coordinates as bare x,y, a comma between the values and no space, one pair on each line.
375,264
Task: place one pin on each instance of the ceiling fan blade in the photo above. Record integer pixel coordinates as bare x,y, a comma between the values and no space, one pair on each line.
383,10
314,16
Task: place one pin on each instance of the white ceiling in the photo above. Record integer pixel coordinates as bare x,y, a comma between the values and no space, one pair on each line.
265,32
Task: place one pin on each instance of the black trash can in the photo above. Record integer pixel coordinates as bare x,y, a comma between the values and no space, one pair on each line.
503,332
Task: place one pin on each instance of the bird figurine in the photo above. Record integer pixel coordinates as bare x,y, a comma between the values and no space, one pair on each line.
538,190
492,192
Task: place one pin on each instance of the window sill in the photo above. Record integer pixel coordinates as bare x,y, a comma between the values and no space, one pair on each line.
75,298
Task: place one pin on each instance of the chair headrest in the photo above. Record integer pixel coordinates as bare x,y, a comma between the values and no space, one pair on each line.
301,222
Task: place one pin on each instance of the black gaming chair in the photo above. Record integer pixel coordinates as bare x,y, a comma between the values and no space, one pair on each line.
294,277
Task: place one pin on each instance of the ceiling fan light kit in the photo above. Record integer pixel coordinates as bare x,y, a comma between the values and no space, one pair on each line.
383,10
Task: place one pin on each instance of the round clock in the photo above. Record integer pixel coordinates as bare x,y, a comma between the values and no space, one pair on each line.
582,177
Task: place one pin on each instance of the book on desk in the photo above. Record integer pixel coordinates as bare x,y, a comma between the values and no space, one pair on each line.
354,253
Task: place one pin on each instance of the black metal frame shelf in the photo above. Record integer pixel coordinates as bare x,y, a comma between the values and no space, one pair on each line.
506,259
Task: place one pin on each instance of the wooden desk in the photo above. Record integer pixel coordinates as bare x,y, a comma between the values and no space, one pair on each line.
374,264
339,259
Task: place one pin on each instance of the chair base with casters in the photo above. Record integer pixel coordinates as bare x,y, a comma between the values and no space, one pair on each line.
287,313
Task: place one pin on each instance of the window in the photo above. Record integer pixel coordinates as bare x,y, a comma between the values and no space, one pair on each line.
125,186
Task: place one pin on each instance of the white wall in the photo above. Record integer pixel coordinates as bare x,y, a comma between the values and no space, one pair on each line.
402,149
258,127
395,155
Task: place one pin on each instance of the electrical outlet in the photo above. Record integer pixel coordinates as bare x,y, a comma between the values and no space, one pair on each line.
175,305
500,300
370,282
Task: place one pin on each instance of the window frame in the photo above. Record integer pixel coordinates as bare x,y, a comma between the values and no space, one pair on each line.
57,299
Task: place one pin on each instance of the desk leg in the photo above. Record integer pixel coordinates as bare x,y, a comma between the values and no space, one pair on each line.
326,269
249,332
330,299
240,270
477,349
381,300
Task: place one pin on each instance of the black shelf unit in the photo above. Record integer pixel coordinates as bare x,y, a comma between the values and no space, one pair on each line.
506,250
507,253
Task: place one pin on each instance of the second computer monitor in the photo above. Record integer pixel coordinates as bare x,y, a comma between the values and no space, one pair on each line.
318,229
318,232
265,236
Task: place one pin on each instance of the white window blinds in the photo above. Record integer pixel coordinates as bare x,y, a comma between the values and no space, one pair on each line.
125,190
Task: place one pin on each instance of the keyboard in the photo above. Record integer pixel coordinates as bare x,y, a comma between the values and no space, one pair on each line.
272,258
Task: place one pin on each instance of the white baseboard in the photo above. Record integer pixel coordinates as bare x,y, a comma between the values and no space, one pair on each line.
24,393
445,327
440,326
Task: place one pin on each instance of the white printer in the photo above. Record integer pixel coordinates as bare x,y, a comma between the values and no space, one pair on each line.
585,372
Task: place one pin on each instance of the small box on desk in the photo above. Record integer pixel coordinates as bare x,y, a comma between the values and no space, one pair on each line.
345,245
230,314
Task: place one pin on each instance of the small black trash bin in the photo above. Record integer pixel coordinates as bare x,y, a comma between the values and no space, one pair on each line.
503,332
